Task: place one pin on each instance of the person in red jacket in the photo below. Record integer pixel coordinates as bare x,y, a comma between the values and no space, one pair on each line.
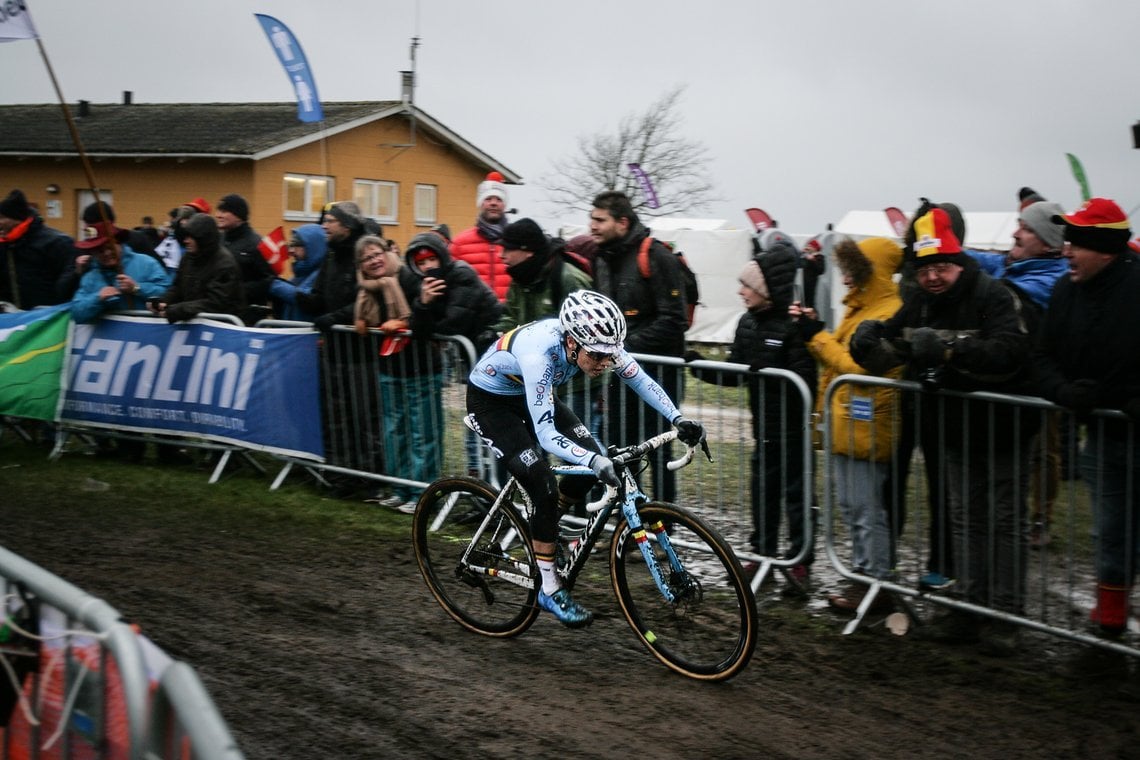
479,245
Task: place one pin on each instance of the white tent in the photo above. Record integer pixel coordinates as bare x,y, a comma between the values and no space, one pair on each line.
985,230
716,253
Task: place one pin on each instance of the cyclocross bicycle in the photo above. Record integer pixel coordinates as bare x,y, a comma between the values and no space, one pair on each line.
677,581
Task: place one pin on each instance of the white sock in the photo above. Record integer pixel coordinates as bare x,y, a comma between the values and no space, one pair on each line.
550,580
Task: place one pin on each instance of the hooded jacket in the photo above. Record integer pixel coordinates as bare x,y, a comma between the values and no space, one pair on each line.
468,306
334,289
863,418
207,280
305,271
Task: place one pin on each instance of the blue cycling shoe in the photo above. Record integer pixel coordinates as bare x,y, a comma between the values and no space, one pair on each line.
569,613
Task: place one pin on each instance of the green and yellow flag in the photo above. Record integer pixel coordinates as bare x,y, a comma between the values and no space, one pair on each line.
32,348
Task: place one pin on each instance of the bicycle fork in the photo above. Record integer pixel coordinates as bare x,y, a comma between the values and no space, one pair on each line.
640,535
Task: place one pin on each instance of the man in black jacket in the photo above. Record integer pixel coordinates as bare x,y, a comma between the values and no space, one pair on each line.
232,214
1088,358
654,308
33,256
961,330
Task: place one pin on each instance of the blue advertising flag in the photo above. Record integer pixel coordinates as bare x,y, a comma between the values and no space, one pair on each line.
292,57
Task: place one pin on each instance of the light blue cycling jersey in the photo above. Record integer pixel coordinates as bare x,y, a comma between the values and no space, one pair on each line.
531,360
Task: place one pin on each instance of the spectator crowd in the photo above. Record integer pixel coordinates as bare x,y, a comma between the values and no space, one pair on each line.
1048,318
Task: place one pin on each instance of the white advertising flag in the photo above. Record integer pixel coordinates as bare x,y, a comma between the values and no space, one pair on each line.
16,22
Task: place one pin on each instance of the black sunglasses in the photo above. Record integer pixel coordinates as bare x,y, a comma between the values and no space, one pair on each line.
599,356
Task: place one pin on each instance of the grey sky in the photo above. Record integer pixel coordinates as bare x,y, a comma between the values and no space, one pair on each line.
810,109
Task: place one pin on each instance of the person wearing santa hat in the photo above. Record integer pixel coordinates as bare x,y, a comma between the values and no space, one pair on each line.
479,246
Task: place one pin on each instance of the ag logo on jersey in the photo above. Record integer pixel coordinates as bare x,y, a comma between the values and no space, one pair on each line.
547,418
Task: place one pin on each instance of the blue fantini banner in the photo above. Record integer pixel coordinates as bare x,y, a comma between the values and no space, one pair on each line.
257,388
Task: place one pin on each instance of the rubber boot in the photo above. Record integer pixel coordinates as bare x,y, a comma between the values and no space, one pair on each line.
1111,610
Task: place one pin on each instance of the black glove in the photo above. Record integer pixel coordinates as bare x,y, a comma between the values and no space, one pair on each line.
689,432
927,349
1079,395
177,312
603,467
324,322
866,339
809,327
693,356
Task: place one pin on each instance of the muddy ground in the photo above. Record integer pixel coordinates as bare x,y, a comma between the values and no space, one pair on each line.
318,639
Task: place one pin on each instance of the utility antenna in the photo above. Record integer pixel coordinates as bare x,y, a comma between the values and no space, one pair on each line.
408,97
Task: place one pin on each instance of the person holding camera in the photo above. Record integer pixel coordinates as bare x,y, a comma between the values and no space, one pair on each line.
961,330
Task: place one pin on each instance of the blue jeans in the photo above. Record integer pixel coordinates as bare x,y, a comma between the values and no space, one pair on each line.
412,425
859,485
1111,468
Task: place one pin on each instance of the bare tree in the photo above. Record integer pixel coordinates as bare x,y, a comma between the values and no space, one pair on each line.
677,167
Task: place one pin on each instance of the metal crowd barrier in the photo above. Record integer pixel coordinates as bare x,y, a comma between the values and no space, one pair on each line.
392,410
74,703
756,452
1048,586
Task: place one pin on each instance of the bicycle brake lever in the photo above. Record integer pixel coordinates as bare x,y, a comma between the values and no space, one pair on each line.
705,448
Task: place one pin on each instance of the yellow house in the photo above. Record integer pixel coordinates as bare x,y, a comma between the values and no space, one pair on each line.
407,171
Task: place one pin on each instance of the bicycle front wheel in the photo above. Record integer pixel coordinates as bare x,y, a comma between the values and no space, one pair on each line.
478,562
707,630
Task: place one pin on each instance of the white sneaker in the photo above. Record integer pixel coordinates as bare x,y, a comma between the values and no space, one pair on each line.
392,502
408,507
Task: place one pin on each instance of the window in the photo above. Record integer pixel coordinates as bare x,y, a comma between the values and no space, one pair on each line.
305,196
425,204
377,199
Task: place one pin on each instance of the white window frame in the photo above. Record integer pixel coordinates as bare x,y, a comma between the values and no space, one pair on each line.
311,211
367,193
426,216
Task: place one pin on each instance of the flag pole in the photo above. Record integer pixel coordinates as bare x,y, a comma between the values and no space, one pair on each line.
74,134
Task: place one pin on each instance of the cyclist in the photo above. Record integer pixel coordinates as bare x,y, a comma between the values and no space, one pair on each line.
511,399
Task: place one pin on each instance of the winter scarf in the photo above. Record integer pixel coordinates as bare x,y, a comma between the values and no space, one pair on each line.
374,289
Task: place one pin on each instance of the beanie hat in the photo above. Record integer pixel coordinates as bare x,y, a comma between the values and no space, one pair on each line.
199,205
15,206
1038,217
525,235
236,205
752,277
492,185
1099,225
91,214
934,239
348,214
1027,196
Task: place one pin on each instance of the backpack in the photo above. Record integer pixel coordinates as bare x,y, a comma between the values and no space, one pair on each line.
688,277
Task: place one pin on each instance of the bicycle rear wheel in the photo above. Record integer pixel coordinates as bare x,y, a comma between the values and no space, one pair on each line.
480,569
708,630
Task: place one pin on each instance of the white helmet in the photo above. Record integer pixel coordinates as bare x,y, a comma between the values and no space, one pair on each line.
594,321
